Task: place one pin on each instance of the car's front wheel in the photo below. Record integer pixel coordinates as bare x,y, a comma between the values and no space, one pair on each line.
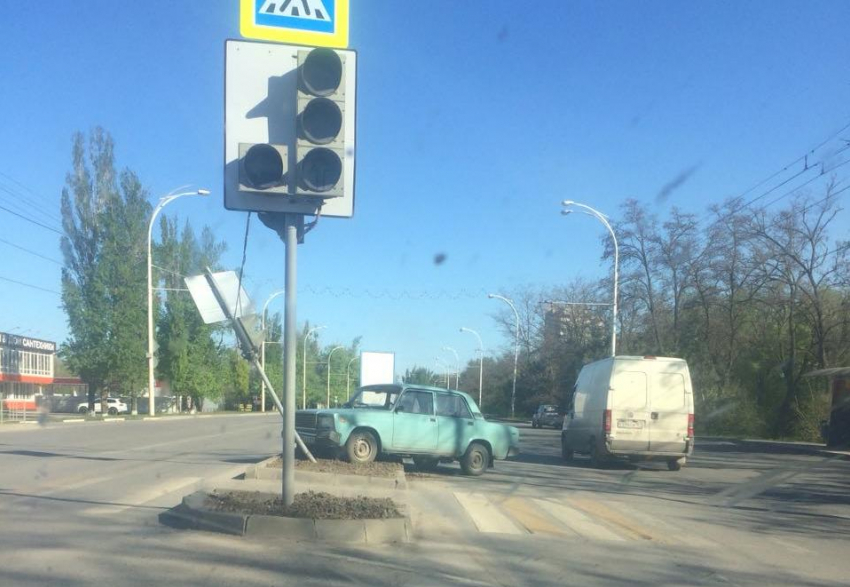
476,459
362,447
112,411
83,410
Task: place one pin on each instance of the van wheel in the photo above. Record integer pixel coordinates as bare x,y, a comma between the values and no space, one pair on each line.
593,453
566,453
676,464
476,459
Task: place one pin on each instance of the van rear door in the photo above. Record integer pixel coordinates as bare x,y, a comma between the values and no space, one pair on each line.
669,412
629,411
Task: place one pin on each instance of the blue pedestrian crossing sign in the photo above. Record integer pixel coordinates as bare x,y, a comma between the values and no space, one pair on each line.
316,23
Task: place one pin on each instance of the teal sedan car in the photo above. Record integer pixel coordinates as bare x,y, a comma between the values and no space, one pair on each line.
426,423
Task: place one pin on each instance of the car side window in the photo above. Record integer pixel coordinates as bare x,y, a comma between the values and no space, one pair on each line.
452,406
416,402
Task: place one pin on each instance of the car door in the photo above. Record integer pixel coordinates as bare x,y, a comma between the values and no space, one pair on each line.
668,413
414,424
630,411
455,424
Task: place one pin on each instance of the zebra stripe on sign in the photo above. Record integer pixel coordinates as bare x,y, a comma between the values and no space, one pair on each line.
308,9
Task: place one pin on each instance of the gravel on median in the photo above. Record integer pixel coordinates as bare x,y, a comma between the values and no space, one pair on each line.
311,504
373,469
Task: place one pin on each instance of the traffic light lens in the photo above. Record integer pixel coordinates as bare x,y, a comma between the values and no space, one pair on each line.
320,170
321,72
263,167
321,121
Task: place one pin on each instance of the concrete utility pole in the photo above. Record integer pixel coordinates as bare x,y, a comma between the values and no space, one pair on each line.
263,347
604,220
480,364
330,354
163,201
516,346
304,367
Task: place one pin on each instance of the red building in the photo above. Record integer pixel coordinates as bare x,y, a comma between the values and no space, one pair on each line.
26,370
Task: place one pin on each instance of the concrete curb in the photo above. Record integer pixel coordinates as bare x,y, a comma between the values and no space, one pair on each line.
191,514
797,448
263,472
801,448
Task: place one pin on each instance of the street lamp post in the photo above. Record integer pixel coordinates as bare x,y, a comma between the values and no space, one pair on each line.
263,347
457,365
330,354
348,379
440,362
604,220
304,367
516,346
163,201
480,363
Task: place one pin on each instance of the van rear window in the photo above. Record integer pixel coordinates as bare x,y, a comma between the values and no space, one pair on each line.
668,391
629,390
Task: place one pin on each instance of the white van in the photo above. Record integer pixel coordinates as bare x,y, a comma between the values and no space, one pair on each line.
639,408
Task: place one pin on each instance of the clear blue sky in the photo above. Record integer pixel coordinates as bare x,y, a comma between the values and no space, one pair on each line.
474,120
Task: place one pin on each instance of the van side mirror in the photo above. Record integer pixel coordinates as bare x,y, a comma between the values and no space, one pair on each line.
399,408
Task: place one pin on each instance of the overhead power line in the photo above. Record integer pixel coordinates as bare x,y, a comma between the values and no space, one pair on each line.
24,284
30,220
12,196
42,197
26,250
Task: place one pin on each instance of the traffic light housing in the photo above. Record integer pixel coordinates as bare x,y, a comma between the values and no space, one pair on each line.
289,129
320,139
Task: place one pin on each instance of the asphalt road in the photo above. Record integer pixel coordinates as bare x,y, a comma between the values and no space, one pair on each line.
78,505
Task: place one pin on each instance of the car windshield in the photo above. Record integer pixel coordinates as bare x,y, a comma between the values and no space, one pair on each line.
376,398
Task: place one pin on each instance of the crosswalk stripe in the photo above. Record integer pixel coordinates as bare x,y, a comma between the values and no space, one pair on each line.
533,519
614,518
578,521
485,514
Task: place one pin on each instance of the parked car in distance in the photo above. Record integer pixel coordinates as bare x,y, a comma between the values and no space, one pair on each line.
114,406
547,415
637,408
426,423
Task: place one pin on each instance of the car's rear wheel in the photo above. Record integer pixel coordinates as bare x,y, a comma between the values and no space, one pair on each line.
362,447
83,410
424,463
593,453
476,459
112,411
675,464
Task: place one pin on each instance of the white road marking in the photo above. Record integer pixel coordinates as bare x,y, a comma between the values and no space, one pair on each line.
486,515
578,521
141,497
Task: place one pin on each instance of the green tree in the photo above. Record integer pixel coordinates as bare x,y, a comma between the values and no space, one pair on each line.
103,276
189,357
